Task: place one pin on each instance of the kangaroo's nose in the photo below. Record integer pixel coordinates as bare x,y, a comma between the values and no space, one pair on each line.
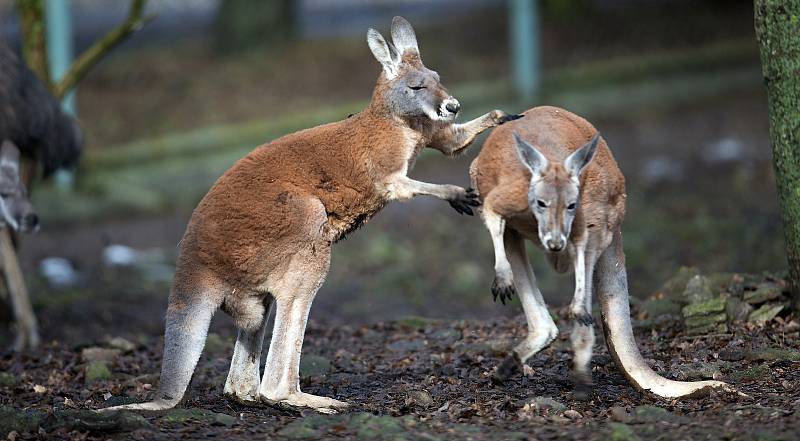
30,221
453,106
555,244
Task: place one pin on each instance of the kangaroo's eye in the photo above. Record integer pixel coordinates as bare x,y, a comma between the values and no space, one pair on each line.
417,87
541,203
571,206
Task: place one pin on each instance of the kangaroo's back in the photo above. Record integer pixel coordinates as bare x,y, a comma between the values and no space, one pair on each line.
556,133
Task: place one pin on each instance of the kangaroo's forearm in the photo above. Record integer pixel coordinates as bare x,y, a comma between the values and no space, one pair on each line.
403,188
456,137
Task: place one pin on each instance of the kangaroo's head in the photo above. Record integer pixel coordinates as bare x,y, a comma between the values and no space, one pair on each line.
408,88
16,209
554,192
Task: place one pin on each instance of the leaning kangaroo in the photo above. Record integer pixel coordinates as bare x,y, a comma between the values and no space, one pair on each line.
264,231
550,178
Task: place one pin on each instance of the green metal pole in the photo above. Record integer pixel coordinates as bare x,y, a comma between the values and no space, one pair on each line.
524,36
58,25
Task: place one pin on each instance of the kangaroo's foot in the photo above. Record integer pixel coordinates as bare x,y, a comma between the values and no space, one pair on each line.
155,405
297,401
503,287
247,397
582,386
462,200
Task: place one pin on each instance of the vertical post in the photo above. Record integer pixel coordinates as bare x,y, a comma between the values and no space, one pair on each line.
58,25
524,35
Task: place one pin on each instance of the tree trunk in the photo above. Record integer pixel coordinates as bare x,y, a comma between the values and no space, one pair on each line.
34,45
777,24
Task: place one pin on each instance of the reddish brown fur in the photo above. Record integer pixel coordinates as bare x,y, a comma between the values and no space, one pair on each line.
503,181
299,192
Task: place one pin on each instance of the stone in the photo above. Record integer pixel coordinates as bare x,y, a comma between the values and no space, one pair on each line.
406,345
705,320
419,398
22,421
675,287
713,328
370,427
96,371
121,344
698,290
698,371
547,404
182,415
772,354
736,309
765,292
622,432
7,379
572,414
765,313
706,307
314,365
753,373
416,322
85,420
446,336
93,354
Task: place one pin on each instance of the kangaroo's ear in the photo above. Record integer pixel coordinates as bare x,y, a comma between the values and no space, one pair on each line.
403,35
530,155
384,52
579,159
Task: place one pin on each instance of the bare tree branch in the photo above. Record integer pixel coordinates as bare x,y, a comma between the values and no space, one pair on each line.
135,20
34,46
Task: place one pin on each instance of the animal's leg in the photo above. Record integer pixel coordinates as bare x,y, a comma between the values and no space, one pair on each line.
541,328
401,187
454,138
503,285
244,375
280,385
582,336
27,332
187,324
611,285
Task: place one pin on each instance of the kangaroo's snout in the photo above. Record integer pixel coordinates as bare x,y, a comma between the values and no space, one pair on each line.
453,106
449,107
555,244
29,223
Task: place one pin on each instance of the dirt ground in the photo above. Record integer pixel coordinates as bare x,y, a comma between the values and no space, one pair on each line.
423,379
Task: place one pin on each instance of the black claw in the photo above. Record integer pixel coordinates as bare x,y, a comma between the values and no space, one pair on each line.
503,292
508,118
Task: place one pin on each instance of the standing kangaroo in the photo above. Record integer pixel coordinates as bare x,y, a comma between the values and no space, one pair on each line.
550,178
264,231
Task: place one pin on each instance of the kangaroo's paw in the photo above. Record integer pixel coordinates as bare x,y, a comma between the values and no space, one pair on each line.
299,401
463,201
503,288
499,117
246,399
581,315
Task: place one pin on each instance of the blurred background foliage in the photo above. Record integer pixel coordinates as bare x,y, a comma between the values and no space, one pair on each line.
673,85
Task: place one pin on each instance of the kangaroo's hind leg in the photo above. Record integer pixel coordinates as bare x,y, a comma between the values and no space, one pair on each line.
244,375
541,328
582,336
293,294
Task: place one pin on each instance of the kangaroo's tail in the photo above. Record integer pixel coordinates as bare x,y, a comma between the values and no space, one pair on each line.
186,330
611,285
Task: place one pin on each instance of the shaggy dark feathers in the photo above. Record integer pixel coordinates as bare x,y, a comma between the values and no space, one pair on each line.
31,117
